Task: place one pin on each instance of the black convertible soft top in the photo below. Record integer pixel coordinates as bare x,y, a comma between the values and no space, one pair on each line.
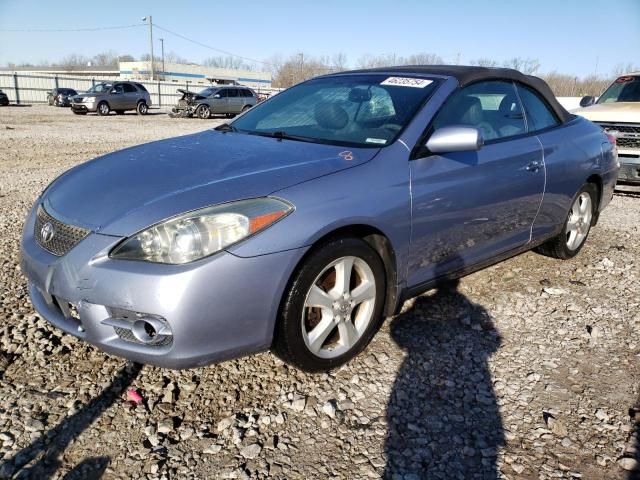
471,74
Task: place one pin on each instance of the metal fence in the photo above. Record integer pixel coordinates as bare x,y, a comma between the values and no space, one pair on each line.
29,88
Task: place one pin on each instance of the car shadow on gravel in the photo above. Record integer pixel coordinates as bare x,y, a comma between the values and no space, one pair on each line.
41,459
443,419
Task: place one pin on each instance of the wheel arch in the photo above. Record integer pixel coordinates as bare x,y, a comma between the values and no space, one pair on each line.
596,180
377,240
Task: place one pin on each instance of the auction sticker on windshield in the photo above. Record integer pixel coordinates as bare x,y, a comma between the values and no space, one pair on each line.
407,82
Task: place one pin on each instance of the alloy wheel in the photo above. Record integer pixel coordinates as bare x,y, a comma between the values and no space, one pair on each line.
338,307
579,220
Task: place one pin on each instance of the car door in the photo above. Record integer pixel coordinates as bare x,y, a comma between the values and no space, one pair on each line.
235,100
131,95
116,97
468,207
219,101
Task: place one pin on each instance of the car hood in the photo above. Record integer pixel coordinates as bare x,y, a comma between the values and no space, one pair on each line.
123,192
620,112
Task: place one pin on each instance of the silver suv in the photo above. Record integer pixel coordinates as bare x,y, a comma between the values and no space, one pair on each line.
229,100
117,96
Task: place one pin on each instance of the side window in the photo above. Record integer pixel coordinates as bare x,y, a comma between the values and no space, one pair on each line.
539,115
118,88
223,93
232,92
128,88
246,93
491,106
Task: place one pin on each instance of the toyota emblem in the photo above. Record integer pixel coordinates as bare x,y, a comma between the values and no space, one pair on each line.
47,232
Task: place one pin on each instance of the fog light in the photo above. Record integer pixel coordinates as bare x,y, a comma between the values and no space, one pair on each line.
140,328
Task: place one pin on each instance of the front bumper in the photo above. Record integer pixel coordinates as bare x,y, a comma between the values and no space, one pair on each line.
629,166
85,106
218,308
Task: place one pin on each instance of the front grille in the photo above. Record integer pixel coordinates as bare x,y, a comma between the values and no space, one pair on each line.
54,236
622,128
623,142
627,134
629,172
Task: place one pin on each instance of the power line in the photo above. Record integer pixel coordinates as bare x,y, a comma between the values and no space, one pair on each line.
52,30
210,47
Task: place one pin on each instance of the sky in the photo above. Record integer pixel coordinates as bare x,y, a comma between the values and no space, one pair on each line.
569,36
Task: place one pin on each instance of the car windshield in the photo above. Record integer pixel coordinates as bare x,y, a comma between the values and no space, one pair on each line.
365,110
207,91
624,89
100,87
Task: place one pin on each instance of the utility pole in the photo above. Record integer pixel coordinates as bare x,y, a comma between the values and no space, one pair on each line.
150,42
301,66
162,47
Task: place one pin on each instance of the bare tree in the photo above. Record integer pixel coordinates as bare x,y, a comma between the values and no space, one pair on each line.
623,68
233,63
528,66
484,62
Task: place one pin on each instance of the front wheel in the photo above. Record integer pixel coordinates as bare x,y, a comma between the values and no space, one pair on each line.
333,306
203,112
103,109
568,243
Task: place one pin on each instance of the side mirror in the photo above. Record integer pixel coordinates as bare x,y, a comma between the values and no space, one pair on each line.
455,139
217,95
587,101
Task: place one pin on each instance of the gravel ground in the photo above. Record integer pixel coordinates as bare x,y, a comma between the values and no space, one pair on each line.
528,369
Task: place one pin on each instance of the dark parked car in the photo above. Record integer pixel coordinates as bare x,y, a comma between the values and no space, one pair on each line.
313,216
118,96
4,99
215,100
61,97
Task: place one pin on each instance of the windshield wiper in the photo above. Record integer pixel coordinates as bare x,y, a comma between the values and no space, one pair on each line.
281,135
225,127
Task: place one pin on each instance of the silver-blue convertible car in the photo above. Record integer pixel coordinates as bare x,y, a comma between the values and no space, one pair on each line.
311,217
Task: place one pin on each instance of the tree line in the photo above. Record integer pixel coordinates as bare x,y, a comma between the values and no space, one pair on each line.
299,67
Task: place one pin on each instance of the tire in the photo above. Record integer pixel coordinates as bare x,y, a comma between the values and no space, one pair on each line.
349,322
142,108
203,112
575,231
245,108
103,109
119,112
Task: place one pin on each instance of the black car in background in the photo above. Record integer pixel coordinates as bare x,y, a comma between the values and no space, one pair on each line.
61,97
4,100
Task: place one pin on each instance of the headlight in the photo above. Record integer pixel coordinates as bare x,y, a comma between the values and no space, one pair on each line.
203,232
89,99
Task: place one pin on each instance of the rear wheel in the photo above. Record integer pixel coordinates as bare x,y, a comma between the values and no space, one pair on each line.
333,306
577,226
203,112
245,108
103,108
142,108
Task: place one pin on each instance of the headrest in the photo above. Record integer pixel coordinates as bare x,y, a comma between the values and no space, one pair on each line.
331,116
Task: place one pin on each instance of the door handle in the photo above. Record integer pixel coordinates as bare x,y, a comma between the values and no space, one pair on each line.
534,166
